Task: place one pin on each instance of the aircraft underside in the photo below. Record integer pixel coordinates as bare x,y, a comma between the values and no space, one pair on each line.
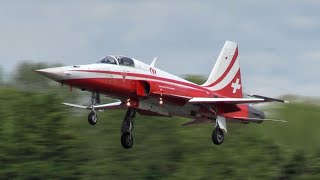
150,107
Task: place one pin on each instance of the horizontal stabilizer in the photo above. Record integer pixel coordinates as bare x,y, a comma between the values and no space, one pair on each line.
268,99
256,99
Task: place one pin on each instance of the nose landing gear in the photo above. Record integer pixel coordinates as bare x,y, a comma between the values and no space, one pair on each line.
93,117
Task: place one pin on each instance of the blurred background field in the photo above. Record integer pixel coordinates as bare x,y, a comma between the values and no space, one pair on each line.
42,139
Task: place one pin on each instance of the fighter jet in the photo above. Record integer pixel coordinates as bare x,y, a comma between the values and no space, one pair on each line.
144,89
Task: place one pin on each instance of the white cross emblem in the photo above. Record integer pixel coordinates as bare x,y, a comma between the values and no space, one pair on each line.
235,86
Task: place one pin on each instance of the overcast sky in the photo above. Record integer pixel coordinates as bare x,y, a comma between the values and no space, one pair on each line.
279,41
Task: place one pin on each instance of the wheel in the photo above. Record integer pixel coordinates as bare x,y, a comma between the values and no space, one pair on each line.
126,140
217,136
92,118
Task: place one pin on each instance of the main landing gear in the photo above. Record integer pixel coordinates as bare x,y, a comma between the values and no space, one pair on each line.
93,117
127,128
127,123
217,135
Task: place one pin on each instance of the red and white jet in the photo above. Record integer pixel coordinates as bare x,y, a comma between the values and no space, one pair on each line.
145,89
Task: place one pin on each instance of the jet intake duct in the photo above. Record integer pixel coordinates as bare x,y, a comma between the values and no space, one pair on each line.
143,88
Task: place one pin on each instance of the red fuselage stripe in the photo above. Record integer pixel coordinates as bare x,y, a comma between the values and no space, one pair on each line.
147,76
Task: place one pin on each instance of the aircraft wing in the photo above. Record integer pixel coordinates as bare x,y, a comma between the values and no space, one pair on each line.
115,105
226,100
257,99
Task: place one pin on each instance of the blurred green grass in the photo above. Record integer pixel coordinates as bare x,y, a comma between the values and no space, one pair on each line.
40,138
302,130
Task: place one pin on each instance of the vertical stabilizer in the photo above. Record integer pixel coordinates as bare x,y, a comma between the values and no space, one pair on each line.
225,77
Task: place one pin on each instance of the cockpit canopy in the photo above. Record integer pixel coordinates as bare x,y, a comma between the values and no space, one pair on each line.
108,60
118,60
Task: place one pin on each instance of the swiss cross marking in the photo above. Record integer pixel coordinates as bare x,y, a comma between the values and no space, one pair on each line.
236,85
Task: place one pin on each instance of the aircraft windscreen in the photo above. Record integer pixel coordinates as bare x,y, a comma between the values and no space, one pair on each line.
108,60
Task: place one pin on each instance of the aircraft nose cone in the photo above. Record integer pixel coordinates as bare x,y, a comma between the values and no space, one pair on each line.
51,73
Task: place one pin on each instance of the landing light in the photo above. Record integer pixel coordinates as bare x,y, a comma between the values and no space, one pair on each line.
161,101
128,102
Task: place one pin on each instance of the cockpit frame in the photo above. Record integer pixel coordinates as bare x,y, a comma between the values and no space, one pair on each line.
118,60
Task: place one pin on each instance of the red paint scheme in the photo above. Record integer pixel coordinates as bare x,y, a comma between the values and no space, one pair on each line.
150,91
227,91
242,112
143,86
133,89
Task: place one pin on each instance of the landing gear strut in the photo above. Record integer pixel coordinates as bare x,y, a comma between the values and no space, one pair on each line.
93,117
127,128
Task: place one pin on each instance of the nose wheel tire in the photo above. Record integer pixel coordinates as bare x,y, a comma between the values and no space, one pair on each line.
127,140
92,118
217,136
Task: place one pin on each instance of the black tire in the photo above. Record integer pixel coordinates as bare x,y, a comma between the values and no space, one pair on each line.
126,140
93,118
217,136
